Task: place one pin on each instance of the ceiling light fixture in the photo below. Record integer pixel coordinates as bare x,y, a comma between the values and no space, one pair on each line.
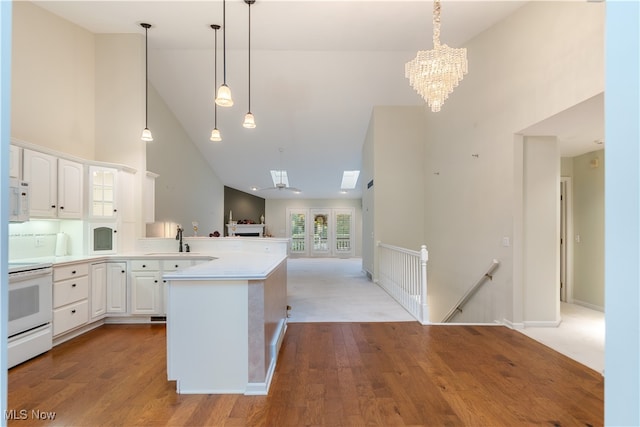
215,133
249,120
146,133
435,73
223,98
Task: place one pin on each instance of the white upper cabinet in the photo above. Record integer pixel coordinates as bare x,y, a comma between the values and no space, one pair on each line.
70,179
102,192
55,185
15,164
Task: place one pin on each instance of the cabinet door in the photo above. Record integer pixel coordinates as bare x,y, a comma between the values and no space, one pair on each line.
14,162
40,170
116,287
146,292
70,176
102,192
98,290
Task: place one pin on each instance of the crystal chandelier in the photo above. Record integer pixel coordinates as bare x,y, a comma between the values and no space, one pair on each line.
434,73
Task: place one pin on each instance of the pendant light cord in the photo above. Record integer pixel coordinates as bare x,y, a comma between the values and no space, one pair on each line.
146,76
215,75
224,41
249,55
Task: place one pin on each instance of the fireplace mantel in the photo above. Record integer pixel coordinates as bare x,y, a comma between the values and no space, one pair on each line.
245,229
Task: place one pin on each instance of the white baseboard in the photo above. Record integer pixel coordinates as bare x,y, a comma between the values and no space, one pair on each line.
542,323
513,325
588,305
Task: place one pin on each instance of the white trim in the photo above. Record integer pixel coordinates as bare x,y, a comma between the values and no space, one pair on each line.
542,323
512,325
569,237
588,305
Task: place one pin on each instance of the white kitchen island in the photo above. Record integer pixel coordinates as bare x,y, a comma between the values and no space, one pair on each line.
226,320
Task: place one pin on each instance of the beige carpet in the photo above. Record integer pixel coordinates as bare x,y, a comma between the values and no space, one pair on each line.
337,290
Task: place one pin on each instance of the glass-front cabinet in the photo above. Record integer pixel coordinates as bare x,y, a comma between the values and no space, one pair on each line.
103,188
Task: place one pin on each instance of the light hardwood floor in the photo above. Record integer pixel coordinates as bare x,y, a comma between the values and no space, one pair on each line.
328,374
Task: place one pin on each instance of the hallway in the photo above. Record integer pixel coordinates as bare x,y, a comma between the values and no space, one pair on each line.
336,290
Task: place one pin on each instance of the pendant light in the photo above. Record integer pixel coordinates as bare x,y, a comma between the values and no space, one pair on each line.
223,98
249,120
146,133
215,133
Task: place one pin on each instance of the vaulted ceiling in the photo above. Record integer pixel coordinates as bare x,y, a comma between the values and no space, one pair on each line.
317,70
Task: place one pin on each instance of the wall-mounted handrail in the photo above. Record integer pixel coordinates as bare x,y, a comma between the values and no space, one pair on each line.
458,307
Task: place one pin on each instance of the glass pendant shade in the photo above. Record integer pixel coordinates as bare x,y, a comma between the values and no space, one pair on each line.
146,135
223,98
249,121
215,135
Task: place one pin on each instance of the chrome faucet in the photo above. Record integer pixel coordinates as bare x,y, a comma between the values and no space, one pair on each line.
179,237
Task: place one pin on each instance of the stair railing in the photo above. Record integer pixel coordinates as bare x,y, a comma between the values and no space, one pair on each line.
402,273
467,296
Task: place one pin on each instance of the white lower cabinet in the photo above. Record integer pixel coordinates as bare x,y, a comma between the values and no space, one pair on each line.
108,288
70,297
98,290
146,287
116,287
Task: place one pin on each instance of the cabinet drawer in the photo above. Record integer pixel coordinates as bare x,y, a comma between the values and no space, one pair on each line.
68,291
145,265
70,317
175,264
70,271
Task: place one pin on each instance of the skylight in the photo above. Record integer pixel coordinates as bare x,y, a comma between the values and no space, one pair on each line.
279,177
349,180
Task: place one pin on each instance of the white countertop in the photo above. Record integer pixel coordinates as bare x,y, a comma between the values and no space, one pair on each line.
230,265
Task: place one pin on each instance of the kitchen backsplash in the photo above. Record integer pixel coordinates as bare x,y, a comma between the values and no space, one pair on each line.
39,238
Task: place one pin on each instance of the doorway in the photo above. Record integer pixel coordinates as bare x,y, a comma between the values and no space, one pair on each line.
321,232
566,231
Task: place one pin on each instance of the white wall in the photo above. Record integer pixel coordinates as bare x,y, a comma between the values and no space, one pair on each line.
53,85
393,158
541,208
588,214
187,189
543,59
368,200
276,215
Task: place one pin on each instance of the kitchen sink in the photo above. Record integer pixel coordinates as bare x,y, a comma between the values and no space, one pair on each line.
172,254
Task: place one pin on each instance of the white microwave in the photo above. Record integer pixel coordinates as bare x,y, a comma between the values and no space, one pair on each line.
18,200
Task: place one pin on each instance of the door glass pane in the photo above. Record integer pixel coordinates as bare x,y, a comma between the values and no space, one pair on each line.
343,232
297,232
320,232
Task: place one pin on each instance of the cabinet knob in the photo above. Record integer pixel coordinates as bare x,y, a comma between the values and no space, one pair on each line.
115,231
155,281
144,266
53,206
122,271
61,207
73,311
176,265
115,210
74,285
73,272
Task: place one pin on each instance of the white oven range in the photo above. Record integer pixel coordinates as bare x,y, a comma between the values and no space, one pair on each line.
30,311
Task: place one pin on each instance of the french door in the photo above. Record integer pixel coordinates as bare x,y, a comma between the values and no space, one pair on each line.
321,232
